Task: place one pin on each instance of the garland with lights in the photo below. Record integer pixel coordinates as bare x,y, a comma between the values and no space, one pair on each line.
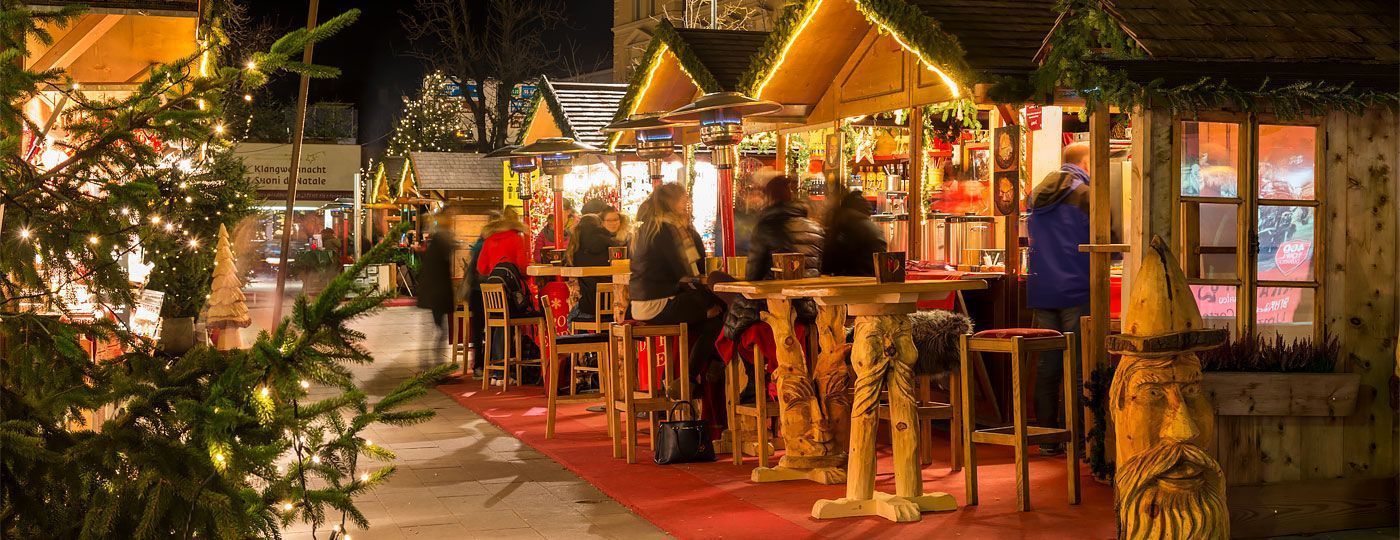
666,39
431,122
1087,34
544,93
106,436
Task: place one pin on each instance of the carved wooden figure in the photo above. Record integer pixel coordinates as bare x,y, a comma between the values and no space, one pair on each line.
1167,485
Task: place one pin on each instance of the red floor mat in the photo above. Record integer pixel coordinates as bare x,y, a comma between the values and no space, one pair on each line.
717,500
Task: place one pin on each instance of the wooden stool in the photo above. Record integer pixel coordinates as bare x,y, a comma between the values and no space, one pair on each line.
1021,344
760,411
553,347
627,400
929,410
493,301
459,336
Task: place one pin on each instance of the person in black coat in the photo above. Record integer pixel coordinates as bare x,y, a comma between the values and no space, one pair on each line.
590,248
852,238
782,227
435,290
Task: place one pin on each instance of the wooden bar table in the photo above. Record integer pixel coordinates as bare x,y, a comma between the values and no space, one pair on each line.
812,401
883,356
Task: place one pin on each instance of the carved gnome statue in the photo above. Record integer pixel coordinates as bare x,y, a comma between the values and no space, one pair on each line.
1167,486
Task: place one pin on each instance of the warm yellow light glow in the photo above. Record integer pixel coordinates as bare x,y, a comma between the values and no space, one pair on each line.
93,240
252,65
773,70
655,62
24,234
941,75
248,97
219,128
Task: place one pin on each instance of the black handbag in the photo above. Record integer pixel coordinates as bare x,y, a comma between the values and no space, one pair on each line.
683,441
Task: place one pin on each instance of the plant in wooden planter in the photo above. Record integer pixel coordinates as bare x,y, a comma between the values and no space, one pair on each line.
1273,377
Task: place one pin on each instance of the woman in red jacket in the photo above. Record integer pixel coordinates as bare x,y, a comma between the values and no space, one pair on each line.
505,242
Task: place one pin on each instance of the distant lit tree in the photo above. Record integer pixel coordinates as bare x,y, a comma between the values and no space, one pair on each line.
434,121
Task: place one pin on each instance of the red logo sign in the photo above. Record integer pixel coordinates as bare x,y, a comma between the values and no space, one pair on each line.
1291,255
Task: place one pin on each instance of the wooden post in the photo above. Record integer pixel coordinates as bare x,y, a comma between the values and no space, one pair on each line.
1098,233
298,130
913,200
781,153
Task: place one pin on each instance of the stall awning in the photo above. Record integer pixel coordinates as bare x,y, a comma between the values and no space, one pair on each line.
570,109
115,43
454,171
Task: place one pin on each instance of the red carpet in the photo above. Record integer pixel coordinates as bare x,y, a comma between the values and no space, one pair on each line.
716,500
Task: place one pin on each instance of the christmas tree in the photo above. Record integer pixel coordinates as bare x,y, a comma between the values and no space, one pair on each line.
209,443
434,121
227,310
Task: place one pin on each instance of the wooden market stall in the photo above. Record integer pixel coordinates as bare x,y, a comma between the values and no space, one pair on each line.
466,185
1265,148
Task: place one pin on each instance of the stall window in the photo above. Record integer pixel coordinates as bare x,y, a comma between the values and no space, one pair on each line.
1252,183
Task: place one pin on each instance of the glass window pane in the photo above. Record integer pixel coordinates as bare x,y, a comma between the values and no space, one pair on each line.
1285,311
1218,304
1210,159
1287,162
1285,243
1217,240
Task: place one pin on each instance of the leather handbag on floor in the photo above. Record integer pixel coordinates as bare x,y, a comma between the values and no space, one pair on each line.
683,441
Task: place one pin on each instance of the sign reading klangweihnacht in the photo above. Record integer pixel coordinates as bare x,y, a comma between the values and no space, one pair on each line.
327,170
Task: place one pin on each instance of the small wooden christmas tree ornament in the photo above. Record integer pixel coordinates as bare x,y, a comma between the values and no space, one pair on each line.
227,310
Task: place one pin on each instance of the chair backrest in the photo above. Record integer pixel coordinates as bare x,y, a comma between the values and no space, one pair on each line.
493,300
603,304
550,331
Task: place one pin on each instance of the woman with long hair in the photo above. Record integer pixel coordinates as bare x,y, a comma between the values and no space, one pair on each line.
667,261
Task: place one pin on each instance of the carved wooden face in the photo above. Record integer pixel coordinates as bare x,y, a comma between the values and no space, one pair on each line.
1167,484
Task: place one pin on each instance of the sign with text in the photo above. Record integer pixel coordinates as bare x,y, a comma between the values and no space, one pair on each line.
327,170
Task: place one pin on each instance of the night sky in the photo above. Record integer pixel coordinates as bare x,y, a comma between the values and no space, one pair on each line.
377,72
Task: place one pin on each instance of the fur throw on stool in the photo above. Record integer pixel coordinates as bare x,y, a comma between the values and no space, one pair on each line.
936,334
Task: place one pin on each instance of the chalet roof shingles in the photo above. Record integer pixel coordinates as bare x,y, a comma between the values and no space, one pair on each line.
997,36
586,107
1350,31
726,54
455,171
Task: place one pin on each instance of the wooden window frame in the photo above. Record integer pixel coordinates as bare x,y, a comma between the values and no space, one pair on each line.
1185,212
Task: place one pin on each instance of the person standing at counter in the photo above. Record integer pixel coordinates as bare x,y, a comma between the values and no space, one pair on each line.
852,238
1057,289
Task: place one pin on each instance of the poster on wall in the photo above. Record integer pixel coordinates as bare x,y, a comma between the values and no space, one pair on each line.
1006,162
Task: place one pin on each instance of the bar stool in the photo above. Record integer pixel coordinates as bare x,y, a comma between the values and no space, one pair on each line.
627,400
761,411
602,311
1021,344
459,336
497,312
573,345
928,410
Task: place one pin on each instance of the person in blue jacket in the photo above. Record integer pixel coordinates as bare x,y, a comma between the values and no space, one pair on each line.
1058,284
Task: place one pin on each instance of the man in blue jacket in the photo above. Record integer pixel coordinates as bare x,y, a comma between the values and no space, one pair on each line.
1058,284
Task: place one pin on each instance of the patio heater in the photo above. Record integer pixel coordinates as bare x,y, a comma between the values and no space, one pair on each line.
655,140
721,117
522,166
556,158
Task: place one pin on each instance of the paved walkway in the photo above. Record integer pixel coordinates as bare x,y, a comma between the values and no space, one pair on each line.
459,476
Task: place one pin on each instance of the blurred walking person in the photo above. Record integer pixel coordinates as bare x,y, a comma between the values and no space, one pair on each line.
435,291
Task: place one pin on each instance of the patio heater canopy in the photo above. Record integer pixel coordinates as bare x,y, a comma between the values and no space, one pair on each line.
656,138
721,115
556,153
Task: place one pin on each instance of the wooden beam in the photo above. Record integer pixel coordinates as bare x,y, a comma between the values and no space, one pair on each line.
1098,232
913,200
81,37
1311,506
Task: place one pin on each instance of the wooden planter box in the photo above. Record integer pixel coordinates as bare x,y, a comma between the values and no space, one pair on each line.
1279,440
1282,394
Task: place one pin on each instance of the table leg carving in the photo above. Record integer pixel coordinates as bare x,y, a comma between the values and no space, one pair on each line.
883,356
805,432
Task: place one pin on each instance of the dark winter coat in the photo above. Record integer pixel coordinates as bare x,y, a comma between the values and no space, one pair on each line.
781,228
852,239
1059,223
658,261
591,250
435,291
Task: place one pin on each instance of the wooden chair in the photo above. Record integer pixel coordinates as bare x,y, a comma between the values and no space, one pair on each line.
627,400
497,313
929,410
552,347
1021,344
602,311
761,411
459,336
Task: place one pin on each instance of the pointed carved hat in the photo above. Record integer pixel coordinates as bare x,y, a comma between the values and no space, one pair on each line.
1161,318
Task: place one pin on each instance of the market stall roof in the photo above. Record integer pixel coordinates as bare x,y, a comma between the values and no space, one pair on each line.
574,110
1250,41
115,43
454,171
963,42
387,179
683,63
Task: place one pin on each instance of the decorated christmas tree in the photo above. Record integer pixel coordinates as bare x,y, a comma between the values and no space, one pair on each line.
227,310
124,440
434,121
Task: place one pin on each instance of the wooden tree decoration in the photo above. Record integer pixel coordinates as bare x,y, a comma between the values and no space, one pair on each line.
1167,484
227,310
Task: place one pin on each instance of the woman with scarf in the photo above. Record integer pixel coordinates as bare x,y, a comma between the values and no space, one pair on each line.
667,261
